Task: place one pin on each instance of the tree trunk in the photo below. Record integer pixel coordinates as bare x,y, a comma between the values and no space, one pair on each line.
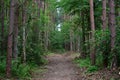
104,26
112,28
2,26
46,33
71,39
78,42
10,39
15,50
38,37
24,33
46,40
93,56
83,48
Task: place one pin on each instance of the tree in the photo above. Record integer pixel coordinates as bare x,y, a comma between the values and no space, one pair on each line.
2,25
71,39
112,24
15,31
24,18
92,32
10,39
104,26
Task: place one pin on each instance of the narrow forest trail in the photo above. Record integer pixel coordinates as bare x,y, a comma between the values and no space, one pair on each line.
60,67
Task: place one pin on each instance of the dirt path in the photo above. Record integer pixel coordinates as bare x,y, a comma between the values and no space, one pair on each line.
60,67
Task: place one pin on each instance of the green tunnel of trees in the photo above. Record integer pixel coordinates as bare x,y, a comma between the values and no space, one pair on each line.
31,28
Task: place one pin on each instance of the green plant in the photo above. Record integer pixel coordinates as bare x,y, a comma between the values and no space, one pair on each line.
21,71
92,69
85,63
2,68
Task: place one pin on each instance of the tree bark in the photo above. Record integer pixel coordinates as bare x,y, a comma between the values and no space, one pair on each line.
2,26
112,28
15,49
10,39
104,26
92,54
24,32
71,39
46,33
78,41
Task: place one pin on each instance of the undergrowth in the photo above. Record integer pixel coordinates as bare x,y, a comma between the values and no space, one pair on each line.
85,63
20,71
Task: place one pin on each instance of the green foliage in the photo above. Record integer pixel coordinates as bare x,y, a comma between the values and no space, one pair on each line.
35,54
21,71
57,41
85,63
102,37
92,69
2,68
74,6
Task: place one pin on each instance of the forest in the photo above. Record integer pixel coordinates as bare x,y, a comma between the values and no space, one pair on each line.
59,39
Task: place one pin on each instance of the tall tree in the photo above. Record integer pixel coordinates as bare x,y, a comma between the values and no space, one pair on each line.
46,31
24,16
92,32
104,26
15,41
37,30
112,24
71,39
10,39
2,25
83,53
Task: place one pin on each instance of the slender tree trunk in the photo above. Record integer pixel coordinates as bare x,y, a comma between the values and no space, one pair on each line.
38,38
24,41
71,40
112,28
2,26
10,39
15,49
24,33
46,40
83,49
93,56
46,35
112,23
78,42
104,26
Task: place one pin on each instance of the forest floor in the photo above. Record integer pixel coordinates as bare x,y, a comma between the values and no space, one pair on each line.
62,67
